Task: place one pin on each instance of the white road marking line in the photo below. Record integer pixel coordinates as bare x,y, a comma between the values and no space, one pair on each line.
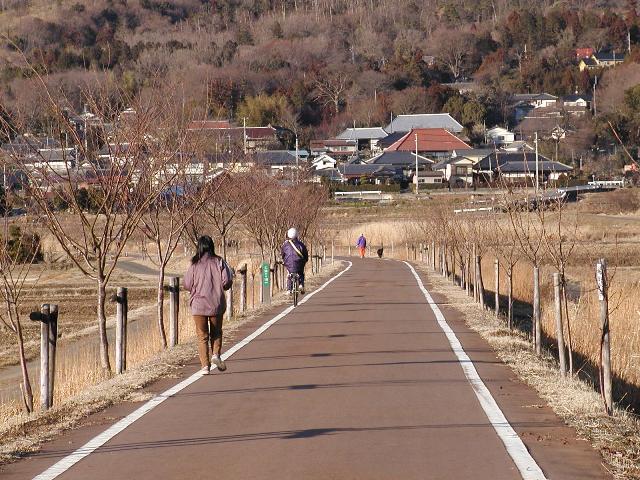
516,449
67,462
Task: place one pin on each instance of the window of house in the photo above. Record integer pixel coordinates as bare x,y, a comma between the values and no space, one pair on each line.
437,180
462,170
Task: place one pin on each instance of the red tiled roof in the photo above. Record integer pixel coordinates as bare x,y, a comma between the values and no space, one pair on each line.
584,52
429,140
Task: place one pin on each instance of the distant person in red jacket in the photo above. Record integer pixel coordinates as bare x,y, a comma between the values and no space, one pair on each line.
362,245
206,279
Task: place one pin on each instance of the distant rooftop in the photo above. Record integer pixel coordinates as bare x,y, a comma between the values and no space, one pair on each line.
362,133
405,123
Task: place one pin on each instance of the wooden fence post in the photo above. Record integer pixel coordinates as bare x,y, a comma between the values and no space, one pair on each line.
243,288
332,252
537,328
605,341
122,308
349,249
392,249
53,343
229,298
174,310
559,330
433,254
480,288
44,357
496,266
324,254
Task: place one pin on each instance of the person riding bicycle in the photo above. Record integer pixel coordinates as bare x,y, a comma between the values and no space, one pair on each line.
294,257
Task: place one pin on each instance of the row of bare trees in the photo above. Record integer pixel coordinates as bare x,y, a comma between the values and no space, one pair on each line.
135,172
523,228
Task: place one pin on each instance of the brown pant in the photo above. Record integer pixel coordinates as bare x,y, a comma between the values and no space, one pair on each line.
208,329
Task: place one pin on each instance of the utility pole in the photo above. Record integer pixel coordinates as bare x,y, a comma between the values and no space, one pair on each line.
297,161
416,175
244,134
595,107
537,160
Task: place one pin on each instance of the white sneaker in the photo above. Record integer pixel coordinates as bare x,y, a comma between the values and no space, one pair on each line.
204,370
218,362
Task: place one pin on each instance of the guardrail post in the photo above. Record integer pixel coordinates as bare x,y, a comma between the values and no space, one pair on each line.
122,310
229,298
559,330
243,288
496,266
53,343
44,357
605,346
174,310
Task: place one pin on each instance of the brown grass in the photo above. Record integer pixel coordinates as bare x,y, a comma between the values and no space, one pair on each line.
617,437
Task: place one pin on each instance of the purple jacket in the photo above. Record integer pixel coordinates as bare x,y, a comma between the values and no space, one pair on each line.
292,259
206,281
362,242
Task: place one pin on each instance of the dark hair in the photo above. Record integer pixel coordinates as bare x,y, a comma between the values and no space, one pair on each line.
205,245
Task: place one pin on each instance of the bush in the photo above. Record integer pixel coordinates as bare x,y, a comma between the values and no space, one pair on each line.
24,247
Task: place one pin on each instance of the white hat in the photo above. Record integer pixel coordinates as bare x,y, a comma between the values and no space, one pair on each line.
292,233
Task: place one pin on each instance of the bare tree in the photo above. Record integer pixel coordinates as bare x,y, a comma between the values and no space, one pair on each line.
167,218
105,195
332,88
18,253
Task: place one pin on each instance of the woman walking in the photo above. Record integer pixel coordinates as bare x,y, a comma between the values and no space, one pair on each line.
206,280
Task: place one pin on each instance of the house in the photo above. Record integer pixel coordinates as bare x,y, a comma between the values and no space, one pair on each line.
524,103
363,173
324,162
277,161
430,142
609,58
403,160
367,138
536,100
221,136
58,160
458,171
546,127
519,166
337,148
405,123
428,178
583,102
499,136
584,53
473,154
518,146
602,59
390,139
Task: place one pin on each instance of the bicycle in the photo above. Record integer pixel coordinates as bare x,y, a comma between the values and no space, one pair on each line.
295,284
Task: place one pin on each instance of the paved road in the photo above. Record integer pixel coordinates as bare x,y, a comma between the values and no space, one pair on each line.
359,382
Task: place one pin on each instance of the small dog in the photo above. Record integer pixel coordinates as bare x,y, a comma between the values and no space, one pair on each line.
379,252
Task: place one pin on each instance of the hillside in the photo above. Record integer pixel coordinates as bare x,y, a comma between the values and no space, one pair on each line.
317,66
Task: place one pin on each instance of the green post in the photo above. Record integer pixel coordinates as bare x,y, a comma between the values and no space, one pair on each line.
265,270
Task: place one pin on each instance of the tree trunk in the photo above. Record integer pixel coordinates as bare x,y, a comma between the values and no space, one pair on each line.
566,315
224,246
160,306
27,393
536,327
102,324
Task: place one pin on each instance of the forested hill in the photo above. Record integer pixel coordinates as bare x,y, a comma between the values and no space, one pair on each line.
314,64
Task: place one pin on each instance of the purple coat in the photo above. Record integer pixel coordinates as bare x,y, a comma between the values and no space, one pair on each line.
206,281
291,259
362,242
